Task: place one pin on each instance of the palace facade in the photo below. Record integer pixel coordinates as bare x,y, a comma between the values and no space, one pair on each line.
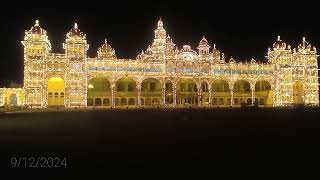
161,76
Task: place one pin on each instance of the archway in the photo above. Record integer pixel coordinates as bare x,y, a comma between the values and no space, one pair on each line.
126,91
242,90
298,92
169,93
56,89
204,94
263,93
220,93
187,93
99,88
13,100
150,89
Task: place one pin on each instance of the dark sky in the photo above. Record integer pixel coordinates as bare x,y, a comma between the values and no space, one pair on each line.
242,30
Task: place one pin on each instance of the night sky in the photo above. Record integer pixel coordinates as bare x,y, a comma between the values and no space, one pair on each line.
242,30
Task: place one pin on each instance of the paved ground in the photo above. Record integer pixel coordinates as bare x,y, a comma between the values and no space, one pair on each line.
158,142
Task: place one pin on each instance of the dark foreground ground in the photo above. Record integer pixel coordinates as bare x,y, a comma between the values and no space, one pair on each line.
162,142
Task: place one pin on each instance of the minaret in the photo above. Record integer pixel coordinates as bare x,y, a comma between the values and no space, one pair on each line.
36,47
305,73
281,56
76,48
203,46
158,47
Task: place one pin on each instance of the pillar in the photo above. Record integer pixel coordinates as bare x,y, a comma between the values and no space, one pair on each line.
210,97
174,95
199,96
231,95
139,95
253,95
112,96
163,93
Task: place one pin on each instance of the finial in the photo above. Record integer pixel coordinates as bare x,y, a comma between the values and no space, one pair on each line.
160,24
278,39
304,39
37,23
105,41
75,25
203,37
214,46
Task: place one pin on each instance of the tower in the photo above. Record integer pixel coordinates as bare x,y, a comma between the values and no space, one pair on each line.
36,48
76,78
158,46
281,56
204,48
305,74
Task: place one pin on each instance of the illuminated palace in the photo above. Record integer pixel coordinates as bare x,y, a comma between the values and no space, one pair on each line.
161,76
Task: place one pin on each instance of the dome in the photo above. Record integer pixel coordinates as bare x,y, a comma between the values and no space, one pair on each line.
304,44
75,32
279,44
232,60
106,51
203,42
187,49
36,29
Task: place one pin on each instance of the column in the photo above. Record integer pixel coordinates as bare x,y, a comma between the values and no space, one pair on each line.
139,95
112,96
163,93
199,96
231,95
174,95
210,97
253,95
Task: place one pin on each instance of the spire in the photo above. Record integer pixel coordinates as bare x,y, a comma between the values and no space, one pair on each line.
278,39
75,26
160,24
37,23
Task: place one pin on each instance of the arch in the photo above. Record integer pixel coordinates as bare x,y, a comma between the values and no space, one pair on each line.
261,101
221,101
106,102
298,92
241,86
220,90
90,102
169,92
249,101
151,88
142,101
97,102
155,102
187,92
126,85
242,91
13,100
56,91
204,93
123,102
235,101
126,89
263,91
116,101
131,101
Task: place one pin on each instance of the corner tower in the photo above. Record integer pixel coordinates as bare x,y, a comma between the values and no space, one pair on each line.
76,48
36,48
